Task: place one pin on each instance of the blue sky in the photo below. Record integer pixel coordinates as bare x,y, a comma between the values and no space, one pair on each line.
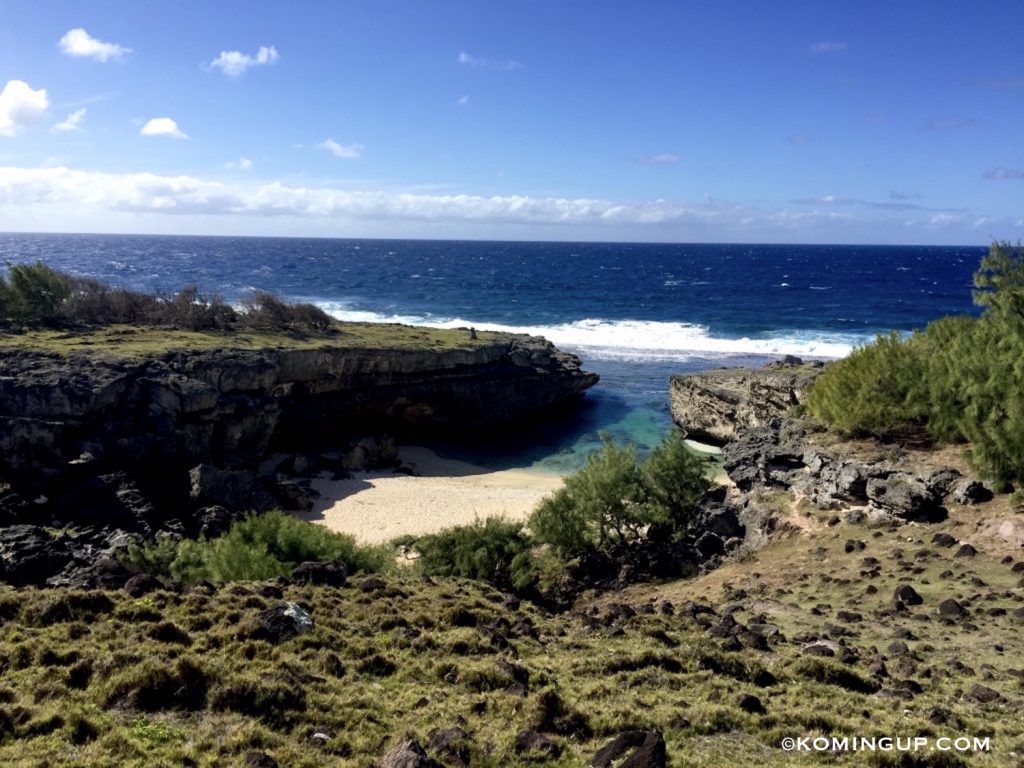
867,122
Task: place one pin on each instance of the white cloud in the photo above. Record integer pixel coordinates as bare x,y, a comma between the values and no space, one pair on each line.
79,43
1002,174
235,63
950,124
151,193
347,151
241,164
828,47
71,123
663,158
21,106
463,100
506,65
163,126
58,198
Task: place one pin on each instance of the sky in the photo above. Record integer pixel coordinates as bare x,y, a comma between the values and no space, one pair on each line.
778,121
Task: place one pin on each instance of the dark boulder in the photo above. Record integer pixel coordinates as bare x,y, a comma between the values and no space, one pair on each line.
905,495
239,490
907,595
951,609
983,694
617,747
256,759
277,624
534,743
408,754
750,704
113,500
29,555
333,573
141,584
969,491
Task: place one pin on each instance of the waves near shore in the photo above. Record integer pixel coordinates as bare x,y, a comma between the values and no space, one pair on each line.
636,339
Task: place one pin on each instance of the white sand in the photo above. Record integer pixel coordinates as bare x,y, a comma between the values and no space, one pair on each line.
379,506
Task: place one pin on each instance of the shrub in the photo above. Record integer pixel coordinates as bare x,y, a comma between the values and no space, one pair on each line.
265,311
675,480
613,499
194,311
259,547
35,293
962,378
484,550
598,507
869,392
91,302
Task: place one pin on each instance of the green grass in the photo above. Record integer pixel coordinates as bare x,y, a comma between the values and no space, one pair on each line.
127,341
169,679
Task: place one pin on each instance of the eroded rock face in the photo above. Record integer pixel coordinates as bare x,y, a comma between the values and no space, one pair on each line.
228,407
183,443
714,406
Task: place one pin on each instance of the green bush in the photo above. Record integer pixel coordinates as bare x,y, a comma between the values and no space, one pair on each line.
484,550
961,379
259,547
614,499
871,391
34,294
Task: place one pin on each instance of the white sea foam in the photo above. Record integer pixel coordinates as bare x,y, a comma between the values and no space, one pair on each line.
636,339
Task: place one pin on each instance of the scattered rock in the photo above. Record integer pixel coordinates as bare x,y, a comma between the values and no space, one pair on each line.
951,609
750,704
333,573
257,759
907,595
141,584
983,694
944,540
966,551
969,491
531,742
278,623
408,754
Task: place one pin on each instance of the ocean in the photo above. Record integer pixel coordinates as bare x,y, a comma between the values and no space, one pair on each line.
634,313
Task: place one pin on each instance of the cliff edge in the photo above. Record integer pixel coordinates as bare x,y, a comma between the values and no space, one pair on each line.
715,406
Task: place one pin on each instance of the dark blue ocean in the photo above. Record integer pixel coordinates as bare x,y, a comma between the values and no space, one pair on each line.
634,313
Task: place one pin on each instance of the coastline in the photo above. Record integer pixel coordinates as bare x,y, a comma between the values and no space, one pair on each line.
378,506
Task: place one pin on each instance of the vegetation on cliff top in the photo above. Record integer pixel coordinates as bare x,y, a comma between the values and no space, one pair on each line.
961,379
47,310
177,677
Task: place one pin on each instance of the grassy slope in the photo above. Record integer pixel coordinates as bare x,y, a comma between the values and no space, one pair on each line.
142,341
614,669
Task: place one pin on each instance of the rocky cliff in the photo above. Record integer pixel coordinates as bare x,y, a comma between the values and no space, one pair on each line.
184,440
230,407
776,459
714,406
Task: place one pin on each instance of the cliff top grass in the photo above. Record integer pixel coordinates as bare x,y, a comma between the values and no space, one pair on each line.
134,341
96,679
46,310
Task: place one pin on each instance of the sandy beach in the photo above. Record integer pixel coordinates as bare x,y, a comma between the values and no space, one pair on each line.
378,506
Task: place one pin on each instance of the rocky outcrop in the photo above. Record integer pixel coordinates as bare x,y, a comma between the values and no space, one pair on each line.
714,406
119,448
230,407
